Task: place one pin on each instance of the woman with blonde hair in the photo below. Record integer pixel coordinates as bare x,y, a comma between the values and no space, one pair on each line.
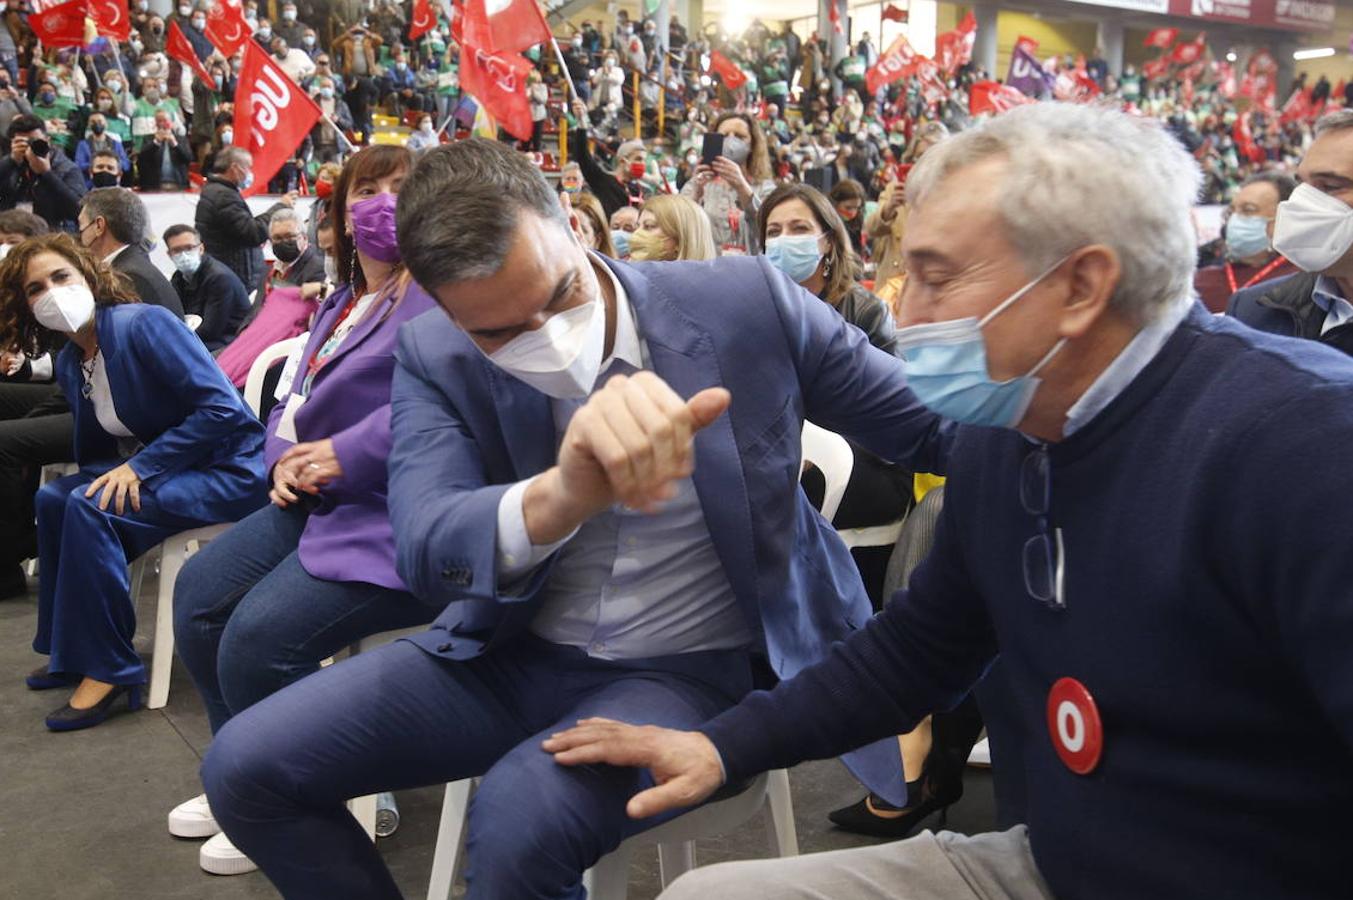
672,227
590,224
730,190
887,222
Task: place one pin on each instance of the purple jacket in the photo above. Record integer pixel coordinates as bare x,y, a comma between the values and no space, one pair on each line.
348,536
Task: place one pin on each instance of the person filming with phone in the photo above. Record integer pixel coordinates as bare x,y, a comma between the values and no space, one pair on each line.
38,178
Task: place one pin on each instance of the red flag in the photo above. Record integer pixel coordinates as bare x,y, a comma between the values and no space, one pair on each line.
994,97
1244,139
834,14
423,20
177,46
894,14
895,62
110,18
1027,44
1189,52
1161,37
62,25
733,77
226,27
931,81
511,26
272,114
953,49
1299,107
1156,68
495,77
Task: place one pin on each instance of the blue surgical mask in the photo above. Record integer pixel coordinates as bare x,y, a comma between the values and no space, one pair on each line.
188,261
621,240
248,181
946,365
795,255
1246,236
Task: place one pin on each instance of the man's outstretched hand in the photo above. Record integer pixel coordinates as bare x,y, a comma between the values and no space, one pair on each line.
684,764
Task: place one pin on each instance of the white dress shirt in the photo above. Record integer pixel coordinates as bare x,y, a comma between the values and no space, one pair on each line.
1328,297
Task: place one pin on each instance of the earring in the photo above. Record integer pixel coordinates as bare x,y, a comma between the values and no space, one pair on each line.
827,267
353,271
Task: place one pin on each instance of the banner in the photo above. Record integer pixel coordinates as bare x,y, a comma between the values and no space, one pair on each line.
177,45
423,20
1290,15
733,77
994,97
1156,68
226,27
1190,51
111,19
1161,37
1027,76
953,49
272,115
898,60
62,25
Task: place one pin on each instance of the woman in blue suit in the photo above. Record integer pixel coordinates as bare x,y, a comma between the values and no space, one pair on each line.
164,444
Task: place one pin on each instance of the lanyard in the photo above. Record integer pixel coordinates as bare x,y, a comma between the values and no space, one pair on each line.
1257,277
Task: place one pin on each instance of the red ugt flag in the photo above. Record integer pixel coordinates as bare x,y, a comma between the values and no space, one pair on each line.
176,44
226,26
1161,37
272,115
894,14
62,25
423,19
509,26
1191,52
953,49
494,75
994,97
725,68
898,60
110,18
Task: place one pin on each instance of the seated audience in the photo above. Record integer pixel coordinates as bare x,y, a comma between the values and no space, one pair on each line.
672,227
1145,612
314,572
113,224
649,586
99,141
206,288
1250,257
164,445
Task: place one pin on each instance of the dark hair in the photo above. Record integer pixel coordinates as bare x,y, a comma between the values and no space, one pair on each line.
758,159
107,154
24,124
367,164
18,329
847,189
1283,183
174,231
845,265
121,209
16,221
458,209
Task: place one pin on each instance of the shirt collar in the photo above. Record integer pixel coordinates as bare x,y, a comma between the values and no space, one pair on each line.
627,347
108,260
1327,294
1126,366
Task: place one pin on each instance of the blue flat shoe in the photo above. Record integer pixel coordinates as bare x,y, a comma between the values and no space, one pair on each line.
40,679
67,718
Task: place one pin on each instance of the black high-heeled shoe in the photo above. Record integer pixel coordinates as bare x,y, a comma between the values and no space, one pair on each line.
67,718
924,799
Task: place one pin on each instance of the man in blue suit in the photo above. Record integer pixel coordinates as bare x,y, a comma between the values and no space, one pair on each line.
603,545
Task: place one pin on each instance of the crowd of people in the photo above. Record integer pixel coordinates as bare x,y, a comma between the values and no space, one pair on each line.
560,424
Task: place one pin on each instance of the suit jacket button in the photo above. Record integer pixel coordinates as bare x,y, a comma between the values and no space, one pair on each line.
443,648
446,573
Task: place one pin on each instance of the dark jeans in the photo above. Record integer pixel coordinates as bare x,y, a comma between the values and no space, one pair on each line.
249,620
399,717
36,429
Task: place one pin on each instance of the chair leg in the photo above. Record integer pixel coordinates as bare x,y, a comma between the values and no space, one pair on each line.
675,860
609,879
784,838
448,857
172,555
363,809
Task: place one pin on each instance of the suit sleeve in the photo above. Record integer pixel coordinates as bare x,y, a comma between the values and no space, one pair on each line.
175,357
853,388
224,296
610,192
235,219
920,655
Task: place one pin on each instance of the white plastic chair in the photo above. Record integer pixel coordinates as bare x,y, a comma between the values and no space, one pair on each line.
831,454
675,839
253,382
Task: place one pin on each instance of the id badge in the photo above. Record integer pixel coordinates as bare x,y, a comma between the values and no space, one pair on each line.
286,426
290,367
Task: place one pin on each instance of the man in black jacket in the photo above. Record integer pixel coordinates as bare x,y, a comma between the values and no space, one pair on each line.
112,225
297,263
207,289
230,232
49,185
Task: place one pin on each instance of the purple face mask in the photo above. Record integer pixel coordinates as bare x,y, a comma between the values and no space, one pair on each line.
373,227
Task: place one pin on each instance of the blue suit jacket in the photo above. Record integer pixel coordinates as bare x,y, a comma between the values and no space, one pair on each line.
203,448
464,431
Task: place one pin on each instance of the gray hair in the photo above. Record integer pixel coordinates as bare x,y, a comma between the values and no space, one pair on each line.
121,209
286,215
228,157
1339,120
1080,175
458,209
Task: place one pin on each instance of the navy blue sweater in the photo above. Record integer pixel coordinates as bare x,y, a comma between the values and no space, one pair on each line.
1208,523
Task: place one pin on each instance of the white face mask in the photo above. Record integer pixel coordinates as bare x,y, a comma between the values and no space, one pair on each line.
331,269
1313,229
561,358
66,308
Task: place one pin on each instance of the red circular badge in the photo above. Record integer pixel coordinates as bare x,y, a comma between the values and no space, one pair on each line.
1074,726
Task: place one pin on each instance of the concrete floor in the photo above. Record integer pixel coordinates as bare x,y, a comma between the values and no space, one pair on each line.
82,814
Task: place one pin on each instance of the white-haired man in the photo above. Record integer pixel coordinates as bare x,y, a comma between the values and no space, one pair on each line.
1151,528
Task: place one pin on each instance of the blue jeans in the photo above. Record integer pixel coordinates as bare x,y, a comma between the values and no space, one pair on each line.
249,620
398,717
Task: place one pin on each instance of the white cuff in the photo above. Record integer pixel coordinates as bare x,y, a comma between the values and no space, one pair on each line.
41,368
516,554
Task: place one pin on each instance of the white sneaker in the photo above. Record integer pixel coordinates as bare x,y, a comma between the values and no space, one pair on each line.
193,819
981,754
219,857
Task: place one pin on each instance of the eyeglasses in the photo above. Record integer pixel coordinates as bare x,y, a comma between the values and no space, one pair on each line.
1044,557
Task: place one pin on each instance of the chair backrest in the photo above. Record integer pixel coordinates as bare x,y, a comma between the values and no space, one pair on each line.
830,454
918,536
253,383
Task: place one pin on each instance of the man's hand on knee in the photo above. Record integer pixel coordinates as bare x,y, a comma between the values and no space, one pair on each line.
685,764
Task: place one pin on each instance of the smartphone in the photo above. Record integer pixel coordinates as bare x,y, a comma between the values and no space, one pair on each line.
712,147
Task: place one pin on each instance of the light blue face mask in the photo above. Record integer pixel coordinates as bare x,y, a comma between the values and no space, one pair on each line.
1246,236
795,255
621,240
946,365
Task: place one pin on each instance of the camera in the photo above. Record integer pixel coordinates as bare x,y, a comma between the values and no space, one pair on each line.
39,147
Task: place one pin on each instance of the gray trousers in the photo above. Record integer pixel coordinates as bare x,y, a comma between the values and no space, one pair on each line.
944,866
